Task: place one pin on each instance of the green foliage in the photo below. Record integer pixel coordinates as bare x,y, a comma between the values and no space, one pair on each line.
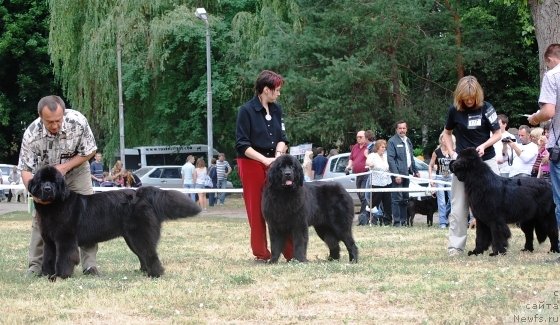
348,65
26,74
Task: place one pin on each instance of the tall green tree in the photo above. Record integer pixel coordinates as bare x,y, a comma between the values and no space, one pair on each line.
25,73
164,68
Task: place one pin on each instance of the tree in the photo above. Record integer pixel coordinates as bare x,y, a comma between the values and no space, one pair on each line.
26,73
547,25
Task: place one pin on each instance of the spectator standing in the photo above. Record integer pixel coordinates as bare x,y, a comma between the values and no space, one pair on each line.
471,120
441,158
61,138
117,174
377,162
199,177
543,167
307,168
223,169
504,154
357,164
212,197
2,195
187,172
14,179
549,99
525,152
260,138
400,156
97,170
319,163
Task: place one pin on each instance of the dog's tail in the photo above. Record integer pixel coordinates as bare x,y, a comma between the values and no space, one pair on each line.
166,204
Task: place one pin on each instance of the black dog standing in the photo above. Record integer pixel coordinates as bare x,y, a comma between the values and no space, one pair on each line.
68,219
496,201
290,208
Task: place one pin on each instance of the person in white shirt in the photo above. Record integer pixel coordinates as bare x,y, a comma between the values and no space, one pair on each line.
525,153
504,154
377,162
187,175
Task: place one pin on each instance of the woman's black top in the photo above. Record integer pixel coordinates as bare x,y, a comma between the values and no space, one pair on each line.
254,130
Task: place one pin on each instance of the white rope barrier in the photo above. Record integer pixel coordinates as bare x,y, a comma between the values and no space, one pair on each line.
428,189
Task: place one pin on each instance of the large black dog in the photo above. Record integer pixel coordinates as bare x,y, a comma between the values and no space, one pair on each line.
290,207
496,201
68,220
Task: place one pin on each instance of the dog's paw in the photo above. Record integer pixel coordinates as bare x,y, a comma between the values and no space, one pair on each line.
529,250
52,277
498,253
475,253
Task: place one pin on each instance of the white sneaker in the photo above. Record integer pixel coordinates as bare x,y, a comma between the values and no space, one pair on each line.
454,252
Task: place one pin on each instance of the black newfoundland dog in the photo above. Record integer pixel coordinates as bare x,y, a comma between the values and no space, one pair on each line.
496,201
290,207
68,220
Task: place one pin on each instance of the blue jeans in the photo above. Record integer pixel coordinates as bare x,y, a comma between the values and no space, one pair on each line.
443,200
192,195
222,184
555,178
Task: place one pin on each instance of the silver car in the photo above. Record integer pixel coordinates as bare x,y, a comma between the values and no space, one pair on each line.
163,176
160,176
336,166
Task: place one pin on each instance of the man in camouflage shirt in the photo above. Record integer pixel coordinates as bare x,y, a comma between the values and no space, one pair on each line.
62,138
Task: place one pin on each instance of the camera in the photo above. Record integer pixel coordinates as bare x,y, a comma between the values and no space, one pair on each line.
554,154
508,139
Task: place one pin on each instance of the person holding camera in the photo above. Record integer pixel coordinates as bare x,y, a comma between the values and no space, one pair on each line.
504,154
525,153
475,124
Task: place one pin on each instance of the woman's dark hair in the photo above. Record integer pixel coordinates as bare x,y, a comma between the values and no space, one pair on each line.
269,79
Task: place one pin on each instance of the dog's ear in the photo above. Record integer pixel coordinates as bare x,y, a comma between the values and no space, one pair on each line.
274,173
62,190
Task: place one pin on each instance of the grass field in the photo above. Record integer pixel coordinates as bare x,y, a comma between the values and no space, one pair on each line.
404,276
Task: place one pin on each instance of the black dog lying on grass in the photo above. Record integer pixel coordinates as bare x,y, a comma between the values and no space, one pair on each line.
68,220
496,201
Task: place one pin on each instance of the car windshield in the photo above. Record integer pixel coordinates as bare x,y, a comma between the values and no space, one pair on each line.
142,171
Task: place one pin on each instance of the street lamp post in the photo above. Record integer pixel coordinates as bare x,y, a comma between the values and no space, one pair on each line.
201,14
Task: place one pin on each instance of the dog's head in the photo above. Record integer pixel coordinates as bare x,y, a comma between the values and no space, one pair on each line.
48,185
285,172
465,162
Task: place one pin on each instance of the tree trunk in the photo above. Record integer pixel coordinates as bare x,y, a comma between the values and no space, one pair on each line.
546,18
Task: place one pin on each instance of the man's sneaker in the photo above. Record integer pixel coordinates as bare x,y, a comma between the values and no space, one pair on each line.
454,252
32,273
92,270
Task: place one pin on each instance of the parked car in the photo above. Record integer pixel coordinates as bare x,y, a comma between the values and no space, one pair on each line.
163,176
336,166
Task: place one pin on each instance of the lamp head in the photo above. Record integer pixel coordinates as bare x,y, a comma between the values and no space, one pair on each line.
201,13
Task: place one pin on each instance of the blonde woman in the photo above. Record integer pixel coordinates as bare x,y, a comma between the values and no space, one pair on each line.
377,162
475,124
307,164
117,173
441,157
199,178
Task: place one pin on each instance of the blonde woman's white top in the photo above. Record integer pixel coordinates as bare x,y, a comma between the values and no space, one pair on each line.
380,168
